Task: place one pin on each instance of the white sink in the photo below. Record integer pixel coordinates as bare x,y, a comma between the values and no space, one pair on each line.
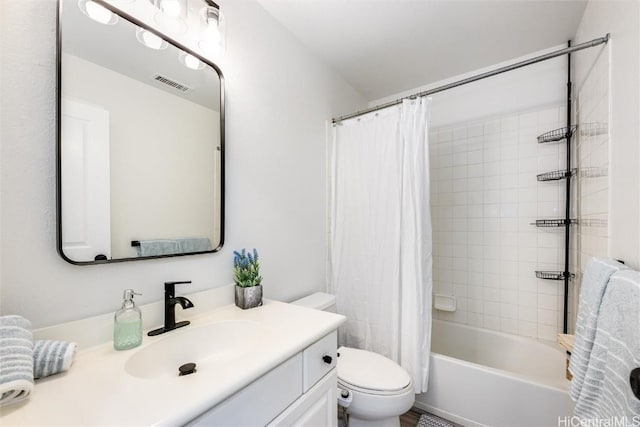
208,346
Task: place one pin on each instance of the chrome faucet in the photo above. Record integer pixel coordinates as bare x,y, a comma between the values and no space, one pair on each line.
170,301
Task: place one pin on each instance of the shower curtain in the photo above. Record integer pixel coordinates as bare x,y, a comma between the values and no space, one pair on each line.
380,256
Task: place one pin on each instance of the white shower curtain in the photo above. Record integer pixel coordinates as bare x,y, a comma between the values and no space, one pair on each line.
380,260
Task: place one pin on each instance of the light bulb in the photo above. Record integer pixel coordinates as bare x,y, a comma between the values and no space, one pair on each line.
212,34
172,24
192,62
211,37
210,48
97,12
170,7
150,40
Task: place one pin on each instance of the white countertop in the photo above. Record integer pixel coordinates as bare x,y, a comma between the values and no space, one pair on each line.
97,390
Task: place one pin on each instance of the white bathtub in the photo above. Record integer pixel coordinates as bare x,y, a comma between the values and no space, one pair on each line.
479,377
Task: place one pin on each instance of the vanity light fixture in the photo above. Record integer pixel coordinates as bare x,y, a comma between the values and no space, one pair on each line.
179,16
171,7
150,40
172,15
191,61
211,40
97,12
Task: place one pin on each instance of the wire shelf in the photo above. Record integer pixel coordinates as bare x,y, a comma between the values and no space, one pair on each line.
593,129
553,222
594,172
557,134
552,275
594,222
556,175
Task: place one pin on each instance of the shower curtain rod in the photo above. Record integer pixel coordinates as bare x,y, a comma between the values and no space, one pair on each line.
585,45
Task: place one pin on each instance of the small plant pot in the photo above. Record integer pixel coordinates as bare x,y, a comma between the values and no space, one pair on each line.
248,297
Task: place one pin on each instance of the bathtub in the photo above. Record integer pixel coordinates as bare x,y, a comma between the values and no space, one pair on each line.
479,377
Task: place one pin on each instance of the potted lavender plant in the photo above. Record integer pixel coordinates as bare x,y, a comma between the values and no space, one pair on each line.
246,274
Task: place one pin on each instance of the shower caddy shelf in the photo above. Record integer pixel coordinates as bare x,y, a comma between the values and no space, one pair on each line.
556,175
557,135
553,275
554,222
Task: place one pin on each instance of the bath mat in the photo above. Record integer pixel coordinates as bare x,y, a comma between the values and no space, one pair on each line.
429,420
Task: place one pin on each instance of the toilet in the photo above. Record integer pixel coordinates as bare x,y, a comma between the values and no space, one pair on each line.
380,389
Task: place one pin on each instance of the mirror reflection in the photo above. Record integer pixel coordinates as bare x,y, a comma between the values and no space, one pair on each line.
140,142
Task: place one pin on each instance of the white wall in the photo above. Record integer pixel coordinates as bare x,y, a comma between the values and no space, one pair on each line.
527,88
278,97
622,20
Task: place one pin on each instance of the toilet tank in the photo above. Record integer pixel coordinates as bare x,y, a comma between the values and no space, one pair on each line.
319,301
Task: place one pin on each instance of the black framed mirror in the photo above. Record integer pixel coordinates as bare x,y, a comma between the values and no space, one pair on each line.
140,140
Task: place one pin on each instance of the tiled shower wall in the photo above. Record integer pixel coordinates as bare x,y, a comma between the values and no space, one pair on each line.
484,196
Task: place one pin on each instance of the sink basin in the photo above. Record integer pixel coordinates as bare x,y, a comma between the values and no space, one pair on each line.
207,346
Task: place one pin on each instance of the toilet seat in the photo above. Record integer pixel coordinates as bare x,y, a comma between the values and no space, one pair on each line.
371,373
382,393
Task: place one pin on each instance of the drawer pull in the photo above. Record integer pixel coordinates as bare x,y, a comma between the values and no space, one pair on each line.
327,359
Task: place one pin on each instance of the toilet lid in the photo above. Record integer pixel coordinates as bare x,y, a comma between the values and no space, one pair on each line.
371,371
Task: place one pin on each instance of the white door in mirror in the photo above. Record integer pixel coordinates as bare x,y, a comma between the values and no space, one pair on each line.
85,206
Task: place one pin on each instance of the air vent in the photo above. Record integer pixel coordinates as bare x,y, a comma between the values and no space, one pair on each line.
172,83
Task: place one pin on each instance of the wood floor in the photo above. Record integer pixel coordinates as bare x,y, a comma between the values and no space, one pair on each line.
410,419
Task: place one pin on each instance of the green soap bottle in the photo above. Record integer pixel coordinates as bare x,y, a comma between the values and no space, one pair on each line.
127,329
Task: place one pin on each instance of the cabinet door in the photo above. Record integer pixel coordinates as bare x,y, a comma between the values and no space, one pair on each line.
316,408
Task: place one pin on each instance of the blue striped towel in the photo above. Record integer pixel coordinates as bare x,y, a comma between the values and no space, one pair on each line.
195,244
606,392
158,247
16,359
594,283
52,357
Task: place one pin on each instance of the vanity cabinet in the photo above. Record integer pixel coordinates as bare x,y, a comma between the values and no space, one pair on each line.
317,407
299,392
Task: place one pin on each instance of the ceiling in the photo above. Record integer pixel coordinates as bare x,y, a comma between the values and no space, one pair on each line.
382,47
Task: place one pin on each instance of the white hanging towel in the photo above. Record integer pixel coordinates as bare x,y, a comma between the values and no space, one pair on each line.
606,392
594,283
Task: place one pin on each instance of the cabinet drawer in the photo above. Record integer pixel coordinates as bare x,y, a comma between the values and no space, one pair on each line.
259,402
318,359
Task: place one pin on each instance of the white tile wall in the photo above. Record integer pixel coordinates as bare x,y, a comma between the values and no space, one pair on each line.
592,110
484,196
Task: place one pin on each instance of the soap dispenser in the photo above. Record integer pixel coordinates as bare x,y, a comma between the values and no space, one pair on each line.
127,329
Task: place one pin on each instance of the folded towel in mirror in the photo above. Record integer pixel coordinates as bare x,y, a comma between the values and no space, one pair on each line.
52,357
158,247
196,244
16,359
